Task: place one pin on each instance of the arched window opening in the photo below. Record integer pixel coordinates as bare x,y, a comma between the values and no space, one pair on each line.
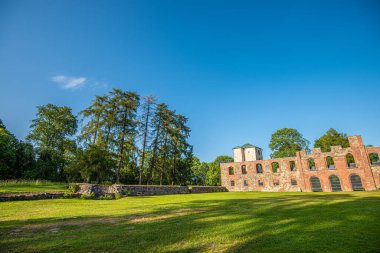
315,184
232,183
312,164
374,158
356,183
350,161
259,168
231,171
244,169
275,167
245,183
261,183
330,163
293,182
292,165
335,183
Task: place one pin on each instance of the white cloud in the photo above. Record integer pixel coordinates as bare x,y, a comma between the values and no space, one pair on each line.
68,82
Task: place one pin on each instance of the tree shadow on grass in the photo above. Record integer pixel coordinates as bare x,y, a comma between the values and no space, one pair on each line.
283,223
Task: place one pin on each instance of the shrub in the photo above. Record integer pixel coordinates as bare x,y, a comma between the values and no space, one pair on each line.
107,197
125,192
69,195
110,196
73,188
88,196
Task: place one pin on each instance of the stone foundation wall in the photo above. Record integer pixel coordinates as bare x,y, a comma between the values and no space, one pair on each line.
145,190
29,196
207,189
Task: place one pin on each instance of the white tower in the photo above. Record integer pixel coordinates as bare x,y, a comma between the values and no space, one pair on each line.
247,153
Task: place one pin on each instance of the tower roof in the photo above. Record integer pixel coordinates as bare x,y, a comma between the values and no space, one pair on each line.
247,145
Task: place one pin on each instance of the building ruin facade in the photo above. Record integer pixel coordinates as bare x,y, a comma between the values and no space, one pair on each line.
342,169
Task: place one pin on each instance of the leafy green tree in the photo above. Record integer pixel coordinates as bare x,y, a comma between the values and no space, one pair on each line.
180,150
50,133
125,126
331,138
147,108
94,163
171,158
286,142
25,160
213,174
199,171
159,142
111,122
17,158
374,158
91,130
8,153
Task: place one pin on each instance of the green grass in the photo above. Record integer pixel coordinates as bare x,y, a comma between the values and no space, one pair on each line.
215,222
21,186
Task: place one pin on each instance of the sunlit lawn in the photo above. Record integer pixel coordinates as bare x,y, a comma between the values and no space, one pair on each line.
13,186
217,222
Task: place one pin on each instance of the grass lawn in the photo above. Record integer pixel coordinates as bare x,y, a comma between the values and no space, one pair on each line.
215,222
31,186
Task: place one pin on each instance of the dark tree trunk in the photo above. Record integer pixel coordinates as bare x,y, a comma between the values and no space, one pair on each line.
122,140
96,129
144,144
153,161
110,126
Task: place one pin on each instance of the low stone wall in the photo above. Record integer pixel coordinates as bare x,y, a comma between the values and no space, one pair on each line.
206,189
145,190
148,190
30,196
97,190
122,190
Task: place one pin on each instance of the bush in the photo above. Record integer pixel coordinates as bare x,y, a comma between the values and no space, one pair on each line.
69,195
125,192
110,196
73,188
88,196
107,197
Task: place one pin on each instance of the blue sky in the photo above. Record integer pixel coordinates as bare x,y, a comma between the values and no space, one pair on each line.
239,70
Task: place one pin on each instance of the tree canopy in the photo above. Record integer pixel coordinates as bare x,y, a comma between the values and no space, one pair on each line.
148,140
199,172
17,158
286,142
331,138
51,133
213,175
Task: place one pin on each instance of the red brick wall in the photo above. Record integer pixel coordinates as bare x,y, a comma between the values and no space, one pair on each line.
281,181
375,167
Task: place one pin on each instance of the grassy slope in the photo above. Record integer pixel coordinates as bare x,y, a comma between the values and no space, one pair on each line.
218,222
31,186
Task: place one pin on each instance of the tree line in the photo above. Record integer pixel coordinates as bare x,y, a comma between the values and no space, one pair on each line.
120,137
124,138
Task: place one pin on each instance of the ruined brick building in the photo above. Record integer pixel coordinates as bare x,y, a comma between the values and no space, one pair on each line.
343,169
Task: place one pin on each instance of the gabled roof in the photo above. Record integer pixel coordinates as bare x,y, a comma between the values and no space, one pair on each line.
247,145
